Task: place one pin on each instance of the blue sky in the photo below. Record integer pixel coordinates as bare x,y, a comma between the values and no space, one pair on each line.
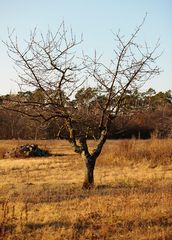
96,19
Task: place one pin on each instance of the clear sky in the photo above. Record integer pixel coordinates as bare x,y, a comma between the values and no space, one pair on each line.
96,19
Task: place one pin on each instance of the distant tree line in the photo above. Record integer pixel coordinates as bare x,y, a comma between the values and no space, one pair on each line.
146,114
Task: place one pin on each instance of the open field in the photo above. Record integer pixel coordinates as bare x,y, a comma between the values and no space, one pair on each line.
41,198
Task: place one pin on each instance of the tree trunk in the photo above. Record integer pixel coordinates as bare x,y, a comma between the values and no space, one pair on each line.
90,159
89,173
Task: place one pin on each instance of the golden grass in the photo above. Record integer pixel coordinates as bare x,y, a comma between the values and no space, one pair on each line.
41,198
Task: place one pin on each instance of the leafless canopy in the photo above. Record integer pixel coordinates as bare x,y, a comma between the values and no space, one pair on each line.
47,64
50,63
133,64
50,67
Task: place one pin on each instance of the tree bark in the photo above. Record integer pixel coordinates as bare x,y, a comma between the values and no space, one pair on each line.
89,163
72,137
89,172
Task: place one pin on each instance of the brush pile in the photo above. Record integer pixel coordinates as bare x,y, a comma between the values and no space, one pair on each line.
27,150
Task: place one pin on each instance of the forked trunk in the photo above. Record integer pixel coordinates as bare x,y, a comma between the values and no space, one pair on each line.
89,173
90,159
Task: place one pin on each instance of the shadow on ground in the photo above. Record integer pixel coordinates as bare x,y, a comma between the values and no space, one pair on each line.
46,193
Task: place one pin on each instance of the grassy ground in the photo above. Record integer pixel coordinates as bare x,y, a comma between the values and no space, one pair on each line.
41,198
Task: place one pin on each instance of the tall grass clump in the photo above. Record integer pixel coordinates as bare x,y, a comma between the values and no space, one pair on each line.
153,151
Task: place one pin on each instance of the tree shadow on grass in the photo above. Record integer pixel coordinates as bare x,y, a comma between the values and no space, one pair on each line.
32,157
138,187
63,154
49,193
53,224
94,222
6,228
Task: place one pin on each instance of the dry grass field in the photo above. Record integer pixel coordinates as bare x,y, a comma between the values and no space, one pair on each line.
42,198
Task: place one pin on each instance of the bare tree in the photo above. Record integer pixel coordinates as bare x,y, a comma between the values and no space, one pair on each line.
50,65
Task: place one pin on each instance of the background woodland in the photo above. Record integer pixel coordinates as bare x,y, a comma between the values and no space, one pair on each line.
146,114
